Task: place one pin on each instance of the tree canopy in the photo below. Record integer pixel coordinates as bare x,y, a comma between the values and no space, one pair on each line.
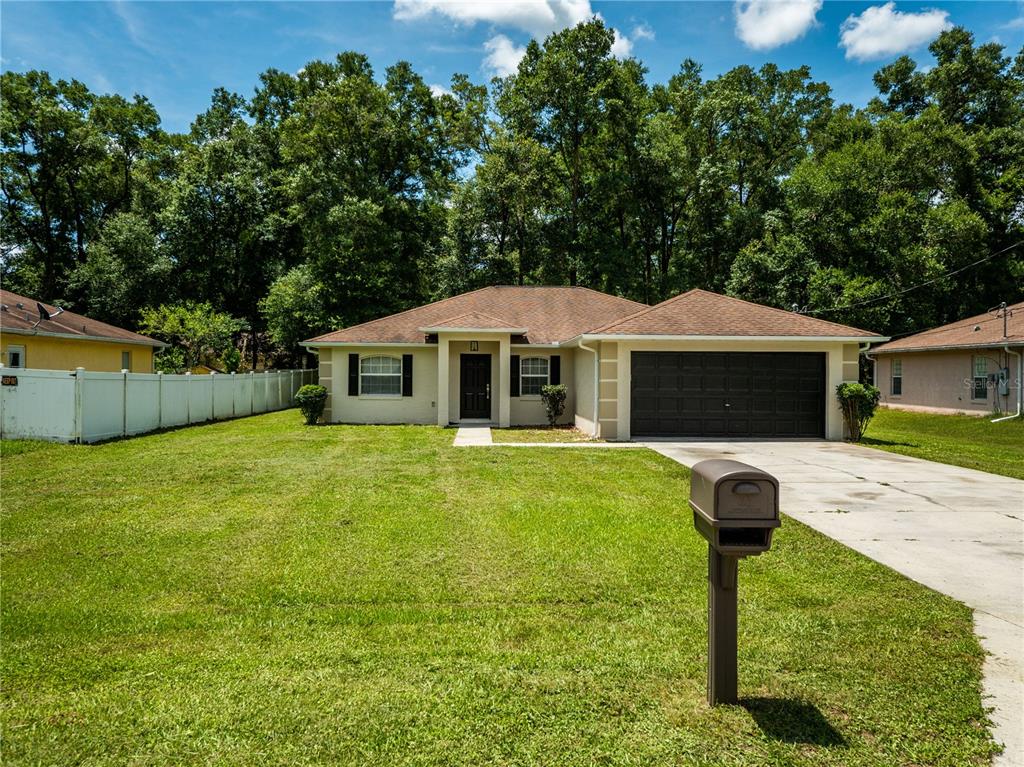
337,195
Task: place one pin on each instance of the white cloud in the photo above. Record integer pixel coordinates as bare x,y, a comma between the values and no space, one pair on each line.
622,46
439,90
537,17
503,56
643,32
882,31
764,24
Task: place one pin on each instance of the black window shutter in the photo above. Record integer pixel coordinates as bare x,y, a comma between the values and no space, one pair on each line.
353,375
555,374
513,367
406,375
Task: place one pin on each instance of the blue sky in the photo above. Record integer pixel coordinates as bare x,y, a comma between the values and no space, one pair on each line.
176,53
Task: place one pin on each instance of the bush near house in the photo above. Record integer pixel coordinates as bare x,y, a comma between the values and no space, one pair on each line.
858,402
554,396
311,400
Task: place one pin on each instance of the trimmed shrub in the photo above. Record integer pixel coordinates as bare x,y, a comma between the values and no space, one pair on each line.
858,403
554,401
311,399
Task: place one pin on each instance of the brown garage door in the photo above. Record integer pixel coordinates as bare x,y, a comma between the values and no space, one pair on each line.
727,394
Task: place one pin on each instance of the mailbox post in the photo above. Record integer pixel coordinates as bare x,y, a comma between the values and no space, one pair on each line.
736,508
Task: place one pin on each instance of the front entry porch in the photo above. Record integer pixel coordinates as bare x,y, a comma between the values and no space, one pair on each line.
473,370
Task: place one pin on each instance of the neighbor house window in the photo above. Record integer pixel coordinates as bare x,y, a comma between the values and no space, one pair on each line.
533,375
980,389
15,356
380,375
897,377
126,360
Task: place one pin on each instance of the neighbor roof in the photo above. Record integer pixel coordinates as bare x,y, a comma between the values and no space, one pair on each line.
549,315
18,314
702,313
962,334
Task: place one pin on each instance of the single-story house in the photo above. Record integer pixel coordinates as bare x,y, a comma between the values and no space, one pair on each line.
697,365
63,340
970,366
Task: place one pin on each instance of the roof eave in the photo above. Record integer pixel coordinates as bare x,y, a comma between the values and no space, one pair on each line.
952,347
675,337
83,337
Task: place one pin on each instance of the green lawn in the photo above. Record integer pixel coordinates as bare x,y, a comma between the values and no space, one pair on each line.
960,440
557,434
258,592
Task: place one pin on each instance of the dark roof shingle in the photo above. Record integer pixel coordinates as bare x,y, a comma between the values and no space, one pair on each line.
702,313
962,333
20,313
550,315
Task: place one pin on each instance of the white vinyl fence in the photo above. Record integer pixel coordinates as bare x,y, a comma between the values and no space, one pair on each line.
86,406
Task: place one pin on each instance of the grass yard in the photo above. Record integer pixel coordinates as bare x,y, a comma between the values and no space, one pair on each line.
960,440
258,592
556,434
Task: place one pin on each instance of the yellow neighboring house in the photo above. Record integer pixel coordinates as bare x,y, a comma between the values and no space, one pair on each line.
62,340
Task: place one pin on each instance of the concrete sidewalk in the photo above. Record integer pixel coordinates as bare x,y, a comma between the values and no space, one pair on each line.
958,531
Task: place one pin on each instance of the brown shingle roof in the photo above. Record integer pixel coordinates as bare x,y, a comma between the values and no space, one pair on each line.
702,313
550,315
475,321
962,334
22,318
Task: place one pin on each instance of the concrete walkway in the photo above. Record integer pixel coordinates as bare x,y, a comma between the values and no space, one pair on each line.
473,435
958,531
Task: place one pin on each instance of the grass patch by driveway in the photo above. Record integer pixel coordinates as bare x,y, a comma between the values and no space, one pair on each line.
556,434
255,591
960,440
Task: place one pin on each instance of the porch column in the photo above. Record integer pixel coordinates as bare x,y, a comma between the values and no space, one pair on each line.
442,379
504,392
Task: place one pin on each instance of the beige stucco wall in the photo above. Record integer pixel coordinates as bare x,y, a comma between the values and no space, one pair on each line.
529,410
838,361
942,381
379,408
583,362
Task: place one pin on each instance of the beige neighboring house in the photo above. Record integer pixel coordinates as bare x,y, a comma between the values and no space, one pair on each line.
697,365
969,366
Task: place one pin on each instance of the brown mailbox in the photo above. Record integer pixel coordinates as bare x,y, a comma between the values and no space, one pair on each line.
735,506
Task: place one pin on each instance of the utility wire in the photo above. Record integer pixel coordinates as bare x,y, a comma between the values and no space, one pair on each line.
866,301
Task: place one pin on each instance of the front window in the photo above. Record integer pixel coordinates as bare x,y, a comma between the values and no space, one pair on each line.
897,377
380,375
980,389
533,373
15,356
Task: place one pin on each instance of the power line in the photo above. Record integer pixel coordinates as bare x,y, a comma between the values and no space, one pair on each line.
866,301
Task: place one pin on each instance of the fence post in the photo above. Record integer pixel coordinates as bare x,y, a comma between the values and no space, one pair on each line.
188,397
266,391
234,394
159,399
213,395
124,402
79,374
252,392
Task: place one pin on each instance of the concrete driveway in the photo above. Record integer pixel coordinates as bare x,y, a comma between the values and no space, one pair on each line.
958,531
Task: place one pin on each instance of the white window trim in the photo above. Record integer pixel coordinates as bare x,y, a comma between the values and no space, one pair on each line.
380,395
893,377
19,348
523,376
975,377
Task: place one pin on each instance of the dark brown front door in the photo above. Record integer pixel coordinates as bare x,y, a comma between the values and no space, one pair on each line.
475,386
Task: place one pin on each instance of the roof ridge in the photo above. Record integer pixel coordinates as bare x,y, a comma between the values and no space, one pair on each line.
788,312
403,312
641,312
